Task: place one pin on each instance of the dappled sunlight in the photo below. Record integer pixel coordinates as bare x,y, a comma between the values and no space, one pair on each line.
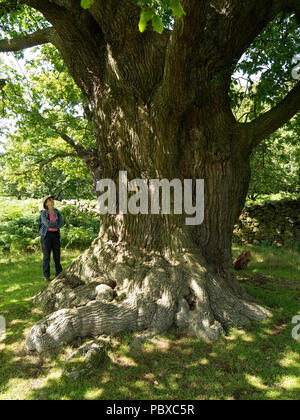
13,289
236,333
291,360
158,343
93,395
256,382
259,361
123,361
290,383
248,339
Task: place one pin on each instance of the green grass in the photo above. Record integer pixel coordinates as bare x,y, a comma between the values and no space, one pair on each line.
264,198
260,361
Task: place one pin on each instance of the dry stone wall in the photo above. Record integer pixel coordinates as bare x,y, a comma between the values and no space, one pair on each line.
274,222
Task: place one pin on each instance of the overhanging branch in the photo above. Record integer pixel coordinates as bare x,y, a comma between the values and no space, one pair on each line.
80,150
44,162
89,157
272,120
40,37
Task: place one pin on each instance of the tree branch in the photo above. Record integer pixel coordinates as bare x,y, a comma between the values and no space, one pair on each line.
207,43
89,157
44,162
272,120
181,47
140,57
80,150
40,37
55,157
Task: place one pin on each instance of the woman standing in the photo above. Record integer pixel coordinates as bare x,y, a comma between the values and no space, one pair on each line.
50,223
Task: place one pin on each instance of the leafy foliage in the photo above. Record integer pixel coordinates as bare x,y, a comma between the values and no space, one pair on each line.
262,78
265,70
21,21
276,163
44,102
50,180
159,12
86,3
46,96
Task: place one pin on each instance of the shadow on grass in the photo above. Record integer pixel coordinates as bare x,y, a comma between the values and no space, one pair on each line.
21,279
260,361
257,364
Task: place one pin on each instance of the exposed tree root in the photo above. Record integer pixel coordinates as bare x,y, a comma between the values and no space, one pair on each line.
150,294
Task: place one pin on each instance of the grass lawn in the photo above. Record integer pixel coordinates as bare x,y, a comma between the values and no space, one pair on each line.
261,361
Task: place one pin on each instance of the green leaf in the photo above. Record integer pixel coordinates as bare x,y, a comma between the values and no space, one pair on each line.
157,24
86,3
177,8
146,15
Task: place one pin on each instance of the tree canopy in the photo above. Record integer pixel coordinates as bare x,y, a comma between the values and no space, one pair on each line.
51,129
54,121
266,49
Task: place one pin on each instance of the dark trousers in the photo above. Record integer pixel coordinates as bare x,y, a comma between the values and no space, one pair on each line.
51,243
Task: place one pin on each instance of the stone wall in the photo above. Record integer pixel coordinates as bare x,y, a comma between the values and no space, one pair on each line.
85,206
275,222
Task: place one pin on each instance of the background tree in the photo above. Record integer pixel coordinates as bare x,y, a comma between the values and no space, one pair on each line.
275,162
52,133
64,185
161,109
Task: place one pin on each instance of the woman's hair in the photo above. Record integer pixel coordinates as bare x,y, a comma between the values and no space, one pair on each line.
45,201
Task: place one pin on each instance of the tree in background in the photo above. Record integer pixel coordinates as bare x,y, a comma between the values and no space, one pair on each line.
263,77
161,109
50,179
46,151
275,163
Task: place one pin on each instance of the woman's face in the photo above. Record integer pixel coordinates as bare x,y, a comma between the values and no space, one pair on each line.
50,203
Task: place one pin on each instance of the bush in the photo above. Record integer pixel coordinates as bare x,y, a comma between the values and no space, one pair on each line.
19,227
80,228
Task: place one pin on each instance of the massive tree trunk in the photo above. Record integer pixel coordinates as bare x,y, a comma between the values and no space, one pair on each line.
158,271
161,110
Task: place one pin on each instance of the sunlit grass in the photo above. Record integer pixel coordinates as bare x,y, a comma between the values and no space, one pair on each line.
259,361
273,261
274,197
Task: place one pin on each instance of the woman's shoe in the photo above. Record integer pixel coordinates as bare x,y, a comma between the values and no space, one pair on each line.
47,279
